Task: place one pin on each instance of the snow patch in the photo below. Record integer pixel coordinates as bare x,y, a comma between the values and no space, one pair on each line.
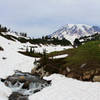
4,92
63,88
60,56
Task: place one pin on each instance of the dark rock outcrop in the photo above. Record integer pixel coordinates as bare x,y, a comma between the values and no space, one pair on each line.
17,96
96,78
1,49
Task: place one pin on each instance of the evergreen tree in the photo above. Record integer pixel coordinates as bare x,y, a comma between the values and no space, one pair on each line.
30,49
77,42
27,49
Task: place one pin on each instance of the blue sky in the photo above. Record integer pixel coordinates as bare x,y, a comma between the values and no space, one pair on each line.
42,17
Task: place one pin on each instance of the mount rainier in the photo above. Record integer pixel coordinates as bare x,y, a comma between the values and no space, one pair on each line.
72,31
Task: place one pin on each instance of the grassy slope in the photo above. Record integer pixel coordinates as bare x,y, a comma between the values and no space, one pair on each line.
88,54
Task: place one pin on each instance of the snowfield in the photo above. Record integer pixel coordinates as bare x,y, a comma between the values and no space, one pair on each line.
4,92
52,48
60,56
63,88
11,60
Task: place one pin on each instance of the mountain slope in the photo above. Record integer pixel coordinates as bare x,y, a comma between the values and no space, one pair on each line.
11,60
72,31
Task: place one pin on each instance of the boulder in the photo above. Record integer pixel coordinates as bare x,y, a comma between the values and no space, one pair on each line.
1,49
96,78
74,75
17,96
26,85
86,77
22,77
4,58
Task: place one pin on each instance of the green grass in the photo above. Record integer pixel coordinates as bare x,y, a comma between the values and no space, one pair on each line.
56,53
88,54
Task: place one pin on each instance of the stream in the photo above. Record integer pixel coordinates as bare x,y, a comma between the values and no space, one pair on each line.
24,84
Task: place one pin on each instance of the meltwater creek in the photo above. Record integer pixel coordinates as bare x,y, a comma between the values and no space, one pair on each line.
24,84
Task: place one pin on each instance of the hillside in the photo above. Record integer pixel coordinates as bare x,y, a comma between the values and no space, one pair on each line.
80,62
88,54
11,59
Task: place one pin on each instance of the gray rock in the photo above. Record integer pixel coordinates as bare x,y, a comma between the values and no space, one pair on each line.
96,79
17,96
25,83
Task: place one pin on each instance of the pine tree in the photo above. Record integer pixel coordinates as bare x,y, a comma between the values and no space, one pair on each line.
77,42
27,49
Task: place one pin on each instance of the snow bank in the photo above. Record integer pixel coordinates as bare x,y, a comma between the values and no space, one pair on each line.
63,88
4,92
13,60
60,56
52,48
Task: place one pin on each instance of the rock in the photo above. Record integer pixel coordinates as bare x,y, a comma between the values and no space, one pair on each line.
68,69
64,73
2,80
83,65
70,75
17,96
36,91
33,71
1,49
97,72
86,77
74,75
96,78
26,85
41,72
49,82
21,77
4,58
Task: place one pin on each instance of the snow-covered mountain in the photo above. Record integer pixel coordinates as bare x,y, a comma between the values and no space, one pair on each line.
72,31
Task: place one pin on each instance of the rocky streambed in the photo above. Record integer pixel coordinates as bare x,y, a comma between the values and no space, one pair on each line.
24,84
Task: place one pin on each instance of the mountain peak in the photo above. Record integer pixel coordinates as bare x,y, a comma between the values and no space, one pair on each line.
72,31
77,25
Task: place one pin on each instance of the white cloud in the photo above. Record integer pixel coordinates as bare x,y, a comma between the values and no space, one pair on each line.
41,16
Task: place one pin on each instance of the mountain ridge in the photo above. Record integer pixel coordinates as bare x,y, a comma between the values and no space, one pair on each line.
72,31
